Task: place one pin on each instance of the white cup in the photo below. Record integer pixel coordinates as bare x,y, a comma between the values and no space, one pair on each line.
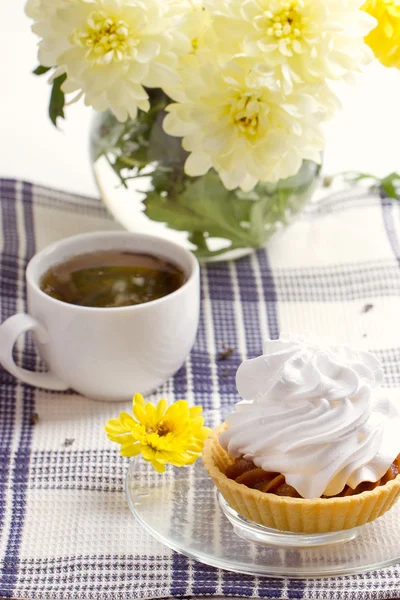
106,353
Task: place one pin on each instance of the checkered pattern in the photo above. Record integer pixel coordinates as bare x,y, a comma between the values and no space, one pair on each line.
65,529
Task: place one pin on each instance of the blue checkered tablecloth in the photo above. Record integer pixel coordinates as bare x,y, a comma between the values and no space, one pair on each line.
65,529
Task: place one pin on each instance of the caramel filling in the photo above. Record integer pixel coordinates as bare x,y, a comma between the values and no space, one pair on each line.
244,471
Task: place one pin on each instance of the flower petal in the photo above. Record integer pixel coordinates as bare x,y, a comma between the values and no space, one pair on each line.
197,163
147,50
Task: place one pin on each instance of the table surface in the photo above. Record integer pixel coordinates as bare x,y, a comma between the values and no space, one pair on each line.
364,136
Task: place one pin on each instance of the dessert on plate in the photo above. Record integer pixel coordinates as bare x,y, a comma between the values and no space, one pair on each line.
314,445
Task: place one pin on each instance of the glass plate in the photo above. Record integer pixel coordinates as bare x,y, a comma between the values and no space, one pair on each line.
180,508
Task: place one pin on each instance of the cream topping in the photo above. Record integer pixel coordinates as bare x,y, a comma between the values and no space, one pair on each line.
316,413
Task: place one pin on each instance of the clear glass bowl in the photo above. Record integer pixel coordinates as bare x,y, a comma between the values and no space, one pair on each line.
181,509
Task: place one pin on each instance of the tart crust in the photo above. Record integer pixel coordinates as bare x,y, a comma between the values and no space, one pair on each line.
298,515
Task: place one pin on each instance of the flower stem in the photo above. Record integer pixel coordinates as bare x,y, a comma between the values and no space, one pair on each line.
198,239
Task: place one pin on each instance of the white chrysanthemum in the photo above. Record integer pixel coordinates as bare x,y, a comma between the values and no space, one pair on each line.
196,22
41,9
302,40
196,25
110,49
246,130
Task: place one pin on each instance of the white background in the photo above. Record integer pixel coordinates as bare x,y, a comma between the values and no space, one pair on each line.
364,136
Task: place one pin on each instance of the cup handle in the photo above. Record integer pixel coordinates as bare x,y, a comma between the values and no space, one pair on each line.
10,331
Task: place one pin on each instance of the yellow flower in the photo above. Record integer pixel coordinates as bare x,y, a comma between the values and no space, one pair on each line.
384,40
161,434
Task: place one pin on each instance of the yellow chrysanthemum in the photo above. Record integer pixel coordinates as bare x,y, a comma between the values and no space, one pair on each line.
384,40
161,434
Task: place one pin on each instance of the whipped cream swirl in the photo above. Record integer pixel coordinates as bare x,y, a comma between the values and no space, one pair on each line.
316,414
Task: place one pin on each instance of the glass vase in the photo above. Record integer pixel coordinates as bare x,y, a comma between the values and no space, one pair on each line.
139,170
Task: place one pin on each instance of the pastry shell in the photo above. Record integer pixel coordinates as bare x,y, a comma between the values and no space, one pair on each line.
297,515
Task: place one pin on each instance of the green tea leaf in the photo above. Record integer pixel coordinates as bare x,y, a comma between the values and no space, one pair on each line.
57,100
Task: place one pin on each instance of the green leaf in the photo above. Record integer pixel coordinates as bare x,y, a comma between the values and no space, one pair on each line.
357,177
105,137
162,209
204,206
201,252
40,70
389,189
57,99
165,148
128,146
262,212
390,185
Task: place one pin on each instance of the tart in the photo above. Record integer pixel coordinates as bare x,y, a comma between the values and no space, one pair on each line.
313,446
298,515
